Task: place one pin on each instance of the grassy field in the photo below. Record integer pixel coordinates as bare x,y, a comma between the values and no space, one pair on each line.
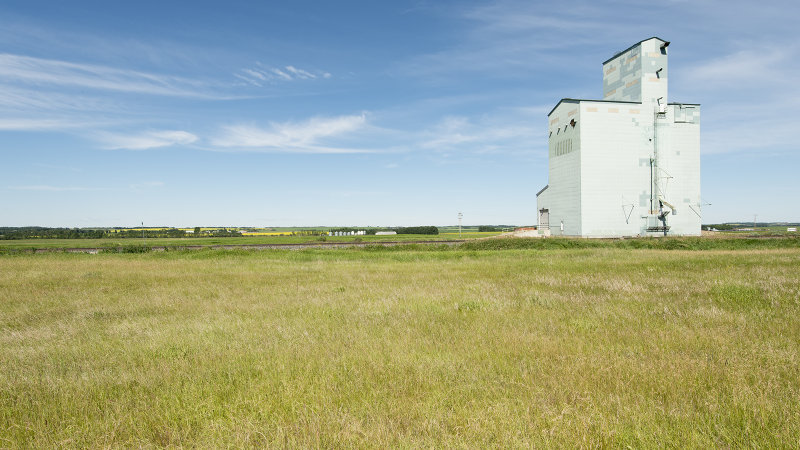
760,231
427,347
208,241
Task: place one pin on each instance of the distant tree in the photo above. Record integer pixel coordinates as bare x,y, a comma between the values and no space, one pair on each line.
723,226
417,230
196,231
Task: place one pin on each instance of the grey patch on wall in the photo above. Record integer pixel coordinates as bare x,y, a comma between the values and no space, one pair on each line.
632,92
644,199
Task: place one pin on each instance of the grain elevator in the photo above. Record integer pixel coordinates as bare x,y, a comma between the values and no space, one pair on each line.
626,165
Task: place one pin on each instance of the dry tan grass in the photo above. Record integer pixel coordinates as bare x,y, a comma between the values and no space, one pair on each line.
592,347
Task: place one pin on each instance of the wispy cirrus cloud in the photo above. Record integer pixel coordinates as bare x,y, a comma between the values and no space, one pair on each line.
145,140
38,94
49,188
17,98
766,133
512,39
261,74
512,17
146,185
748,67
39,71
300,73
304,137
761,74
26,124
507,132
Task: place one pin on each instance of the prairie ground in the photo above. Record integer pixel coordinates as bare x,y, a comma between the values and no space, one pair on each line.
18,244
402,347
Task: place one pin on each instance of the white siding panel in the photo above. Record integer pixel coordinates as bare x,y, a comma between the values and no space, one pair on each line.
615,173
565,173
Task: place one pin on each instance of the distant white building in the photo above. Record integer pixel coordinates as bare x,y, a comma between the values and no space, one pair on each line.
620,165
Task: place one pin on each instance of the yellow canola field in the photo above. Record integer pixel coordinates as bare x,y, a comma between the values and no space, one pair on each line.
138,229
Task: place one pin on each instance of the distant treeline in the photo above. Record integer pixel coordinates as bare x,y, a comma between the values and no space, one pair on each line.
90,233
7,233
50,233
168,233
417,230
736,225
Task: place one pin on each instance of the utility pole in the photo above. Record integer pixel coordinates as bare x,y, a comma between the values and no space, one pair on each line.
755,216
459,224
143,241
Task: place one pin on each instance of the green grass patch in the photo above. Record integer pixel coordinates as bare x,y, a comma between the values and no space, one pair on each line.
736,296
6,245
670,243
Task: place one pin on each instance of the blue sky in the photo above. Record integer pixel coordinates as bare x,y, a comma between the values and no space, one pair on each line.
309,113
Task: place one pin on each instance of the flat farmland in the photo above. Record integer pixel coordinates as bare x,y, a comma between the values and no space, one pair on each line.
422,347
212,241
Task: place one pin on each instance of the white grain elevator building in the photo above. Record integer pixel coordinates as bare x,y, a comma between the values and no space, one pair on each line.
626,165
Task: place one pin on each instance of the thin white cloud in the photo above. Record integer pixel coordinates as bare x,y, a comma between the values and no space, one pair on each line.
256,74
260,75
248,80
49,188
57,167
282,74
38,71
300,73
254,77
450,132
146,140
304,137
146,185
759,66
508,134
767,131
15,98
517,39
513,17
755,82
38,124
